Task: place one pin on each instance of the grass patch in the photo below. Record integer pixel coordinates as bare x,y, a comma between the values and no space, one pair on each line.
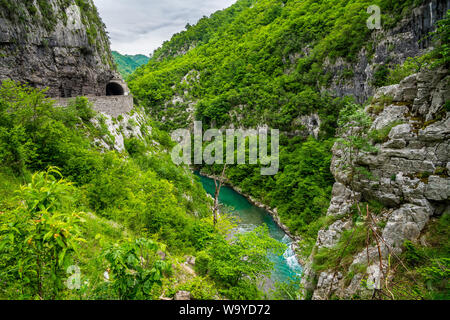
340,257
382,135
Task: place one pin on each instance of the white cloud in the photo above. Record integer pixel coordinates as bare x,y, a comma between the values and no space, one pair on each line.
141,26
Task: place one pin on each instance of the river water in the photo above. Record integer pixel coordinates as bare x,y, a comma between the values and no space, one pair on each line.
250,217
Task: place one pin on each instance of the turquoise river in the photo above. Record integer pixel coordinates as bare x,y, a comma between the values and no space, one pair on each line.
249,217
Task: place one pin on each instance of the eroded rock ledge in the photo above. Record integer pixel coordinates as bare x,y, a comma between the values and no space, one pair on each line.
409,177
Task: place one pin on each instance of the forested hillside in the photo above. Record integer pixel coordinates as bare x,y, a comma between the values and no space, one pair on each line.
126,64
70,201
265,63
92,206
258,62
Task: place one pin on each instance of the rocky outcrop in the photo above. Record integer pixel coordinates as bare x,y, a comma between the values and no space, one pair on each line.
410,38
56,44
408,173
182,295
134,124
308,125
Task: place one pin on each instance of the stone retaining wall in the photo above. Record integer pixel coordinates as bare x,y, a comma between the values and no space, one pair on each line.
111,105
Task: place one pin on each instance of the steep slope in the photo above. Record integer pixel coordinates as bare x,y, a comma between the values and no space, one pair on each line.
404,180
95,194
273,62
60,44
295,65
291,65
108,201
127,64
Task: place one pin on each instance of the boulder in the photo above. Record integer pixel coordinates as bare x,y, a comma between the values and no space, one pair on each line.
182,295
438,189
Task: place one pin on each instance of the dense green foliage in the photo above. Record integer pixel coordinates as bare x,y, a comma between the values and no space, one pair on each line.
257,62
127,64
301,191
138,203
31,14
261,63
135,262
122,222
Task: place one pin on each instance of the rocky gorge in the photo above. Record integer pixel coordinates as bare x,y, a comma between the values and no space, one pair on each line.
409,176
352,200
55,44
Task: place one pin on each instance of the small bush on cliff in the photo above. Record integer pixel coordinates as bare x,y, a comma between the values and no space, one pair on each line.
382,135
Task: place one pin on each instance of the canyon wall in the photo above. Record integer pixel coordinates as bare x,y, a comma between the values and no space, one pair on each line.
59,44
409,38
407,173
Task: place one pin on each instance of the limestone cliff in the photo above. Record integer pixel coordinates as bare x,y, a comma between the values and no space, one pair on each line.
407,173
389,47
60,44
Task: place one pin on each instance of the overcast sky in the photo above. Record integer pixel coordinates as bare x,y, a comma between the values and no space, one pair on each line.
141,26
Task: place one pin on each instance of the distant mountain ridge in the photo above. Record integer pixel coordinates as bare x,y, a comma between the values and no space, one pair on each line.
126,64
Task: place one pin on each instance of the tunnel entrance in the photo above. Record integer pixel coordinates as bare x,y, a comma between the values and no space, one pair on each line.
114,89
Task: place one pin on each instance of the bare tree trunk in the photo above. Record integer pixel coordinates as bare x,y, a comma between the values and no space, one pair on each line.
218,185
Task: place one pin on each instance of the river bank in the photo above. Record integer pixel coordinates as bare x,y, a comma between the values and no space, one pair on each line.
272,212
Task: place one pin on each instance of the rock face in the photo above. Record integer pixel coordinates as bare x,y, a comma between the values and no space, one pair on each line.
390,47
56,44
409,176
182,295
308,125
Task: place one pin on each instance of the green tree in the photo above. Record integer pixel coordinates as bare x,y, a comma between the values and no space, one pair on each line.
354,124
245,258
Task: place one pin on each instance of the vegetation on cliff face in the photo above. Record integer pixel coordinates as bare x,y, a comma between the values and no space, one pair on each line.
39,11
257,62
64,199
262,63
70,210
439,56
127,64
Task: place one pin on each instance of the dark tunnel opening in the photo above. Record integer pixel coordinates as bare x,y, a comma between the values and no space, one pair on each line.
114,89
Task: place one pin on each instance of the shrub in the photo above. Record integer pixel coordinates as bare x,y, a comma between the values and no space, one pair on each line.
83,108
200,289
381,135
39,237
134,268
380,76
202,263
